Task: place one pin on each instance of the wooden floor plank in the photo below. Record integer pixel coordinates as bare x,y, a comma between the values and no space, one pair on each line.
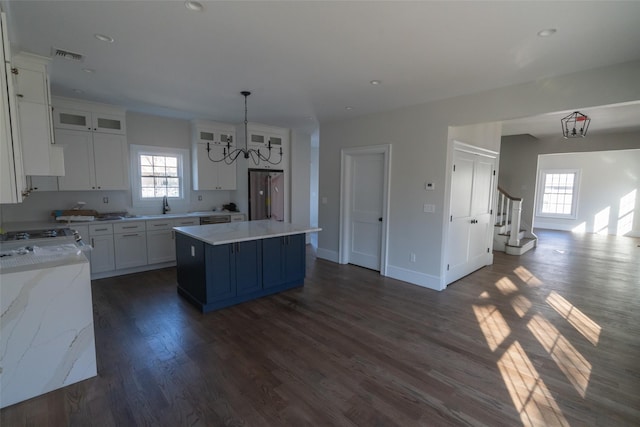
548,338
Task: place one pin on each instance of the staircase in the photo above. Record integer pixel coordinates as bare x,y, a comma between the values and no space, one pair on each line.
508,234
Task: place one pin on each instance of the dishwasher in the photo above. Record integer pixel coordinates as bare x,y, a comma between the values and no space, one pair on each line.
215,219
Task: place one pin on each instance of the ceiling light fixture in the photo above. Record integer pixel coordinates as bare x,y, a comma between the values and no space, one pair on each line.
103,38
375,82
194,5
230,155
547,32
78,91
348,108
575,125
89,70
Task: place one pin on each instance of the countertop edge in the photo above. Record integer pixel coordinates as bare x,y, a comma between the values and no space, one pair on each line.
260,236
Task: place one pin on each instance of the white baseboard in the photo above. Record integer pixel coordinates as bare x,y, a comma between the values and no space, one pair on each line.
414,277
327,254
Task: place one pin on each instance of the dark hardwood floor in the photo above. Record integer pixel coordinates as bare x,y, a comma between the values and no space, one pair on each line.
548,338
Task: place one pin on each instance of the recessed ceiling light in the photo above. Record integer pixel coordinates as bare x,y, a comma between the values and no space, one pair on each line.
348,108
375,82
103,38
194,5
89,70
78,91
547,32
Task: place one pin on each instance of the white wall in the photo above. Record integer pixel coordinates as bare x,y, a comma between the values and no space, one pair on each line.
519,159
300,178
609,192
420,139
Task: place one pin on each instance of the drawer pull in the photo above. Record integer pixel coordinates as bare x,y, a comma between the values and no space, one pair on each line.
160,225
101,229
130,235
129,226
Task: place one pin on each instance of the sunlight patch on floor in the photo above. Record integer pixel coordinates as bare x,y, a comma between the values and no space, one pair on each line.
493,325
527,277
583,324
506,286
531,397
575,367
521,305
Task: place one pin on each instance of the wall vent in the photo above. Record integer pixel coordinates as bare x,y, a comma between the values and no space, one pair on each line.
66,54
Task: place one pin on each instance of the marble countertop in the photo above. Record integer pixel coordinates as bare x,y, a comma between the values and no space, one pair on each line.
221,234
39,225
45,253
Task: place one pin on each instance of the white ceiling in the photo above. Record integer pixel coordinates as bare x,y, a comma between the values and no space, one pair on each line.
306,61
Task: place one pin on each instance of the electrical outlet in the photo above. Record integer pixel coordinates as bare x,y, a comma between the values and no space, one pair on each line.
199,197
429,208
105,200
412,257
429,186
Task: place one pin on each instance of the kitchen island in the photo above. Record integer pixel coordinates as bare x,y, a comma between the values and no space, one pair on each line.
220,265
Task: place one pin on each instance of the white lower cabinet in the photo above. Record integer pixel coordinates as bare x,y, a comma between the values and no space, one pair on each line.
161,245
130,240
133,244
102,252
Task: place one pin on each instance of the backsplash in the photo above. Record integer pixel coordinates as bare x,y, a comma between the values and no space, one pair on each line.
38,206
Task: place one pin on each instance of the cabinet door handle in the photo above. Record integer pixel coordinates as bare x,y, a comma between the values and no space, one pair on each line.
93,243
19,95
160,225
100,229
130,235
237,248
130,226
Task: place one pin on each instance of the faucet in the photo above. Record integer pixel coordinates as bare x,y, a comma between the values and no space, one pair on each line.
165,205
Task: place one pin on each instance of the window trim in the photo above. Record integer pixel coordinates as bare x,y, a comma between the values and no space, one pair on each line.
184,172
540,193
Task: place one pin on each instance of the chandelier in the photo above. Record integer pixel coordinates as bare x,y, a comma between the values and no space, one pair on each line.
575,125
229,155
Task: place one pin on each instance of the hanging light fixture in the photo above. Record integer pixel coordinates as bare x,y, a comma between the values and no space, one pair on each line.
230,155
575,125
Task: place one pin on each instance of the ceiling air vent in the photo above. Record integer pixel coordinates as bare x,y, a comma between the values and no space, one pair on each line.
66,54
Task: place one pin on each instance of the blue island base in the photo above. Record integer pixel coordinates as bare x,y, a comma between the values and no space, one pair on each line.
217,276
216,305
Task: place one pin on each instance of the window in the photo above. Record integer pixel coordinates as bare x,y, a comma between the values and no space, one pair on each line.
558,193
159,176
159,172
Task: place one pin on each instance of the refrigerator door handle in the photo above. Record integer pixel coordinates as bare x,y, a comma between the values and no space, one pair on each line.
269,196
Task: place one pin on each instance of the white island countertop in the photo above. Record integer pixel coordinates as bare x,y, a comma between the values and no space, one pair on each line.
222,234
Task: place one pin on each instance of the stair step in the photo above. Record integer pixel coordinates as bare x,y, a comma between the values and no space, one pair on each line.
526,244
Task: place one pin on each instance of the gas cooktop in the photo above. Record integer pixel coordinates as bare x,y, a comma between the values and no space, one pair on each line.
37,234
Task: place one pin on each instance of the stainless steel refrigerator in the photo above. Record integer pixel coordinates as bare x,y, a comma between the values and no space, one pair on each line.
266,194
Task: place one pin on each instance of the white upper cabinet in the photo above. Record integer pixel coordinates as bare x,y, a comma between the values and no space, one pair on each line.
68,118
12,180
95,144
210,140
31,81
260,138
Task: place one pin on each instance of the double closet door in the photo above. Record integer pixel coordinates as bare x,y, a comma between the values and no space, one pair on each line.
470,226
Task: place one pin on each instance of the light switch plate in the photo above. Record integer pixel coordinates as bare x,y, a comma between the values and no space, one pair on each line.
429,208
429,186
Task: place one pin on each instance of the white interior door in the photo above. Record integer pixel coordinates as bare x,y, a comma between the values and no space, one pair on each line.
469,240
366,207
